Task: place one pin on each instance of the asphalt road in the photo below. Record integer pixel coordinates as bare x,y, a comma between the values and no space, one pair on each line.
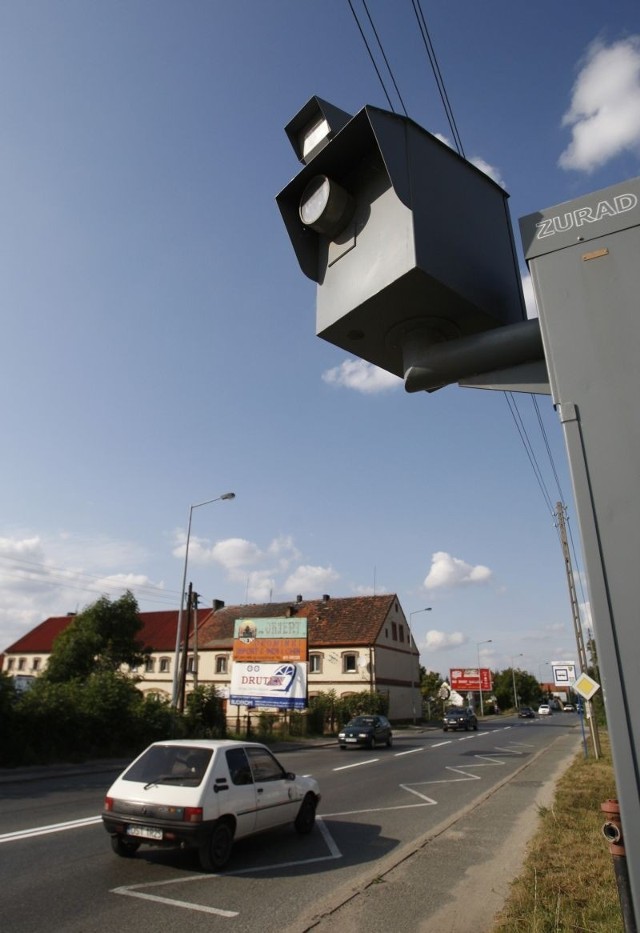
402,833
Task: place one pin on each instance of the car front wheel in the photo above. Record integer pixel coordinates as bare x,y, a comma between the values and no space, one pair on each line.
306,818
216,848
126,848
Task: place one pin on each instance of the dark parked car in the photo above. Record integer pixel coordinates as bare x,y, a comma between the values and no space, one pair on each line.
525,712
367,731
460,719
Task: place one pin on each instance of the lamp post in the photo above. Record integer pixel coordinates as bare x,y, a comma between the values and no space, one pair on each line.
413,680
478,643
176,664
513,677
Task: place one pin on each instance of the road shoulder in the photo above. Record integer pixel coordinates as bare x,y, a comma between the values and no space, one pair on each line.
456,878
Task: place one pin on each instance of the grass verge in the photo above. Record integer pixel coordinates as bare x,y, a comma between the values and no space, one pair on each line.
568,883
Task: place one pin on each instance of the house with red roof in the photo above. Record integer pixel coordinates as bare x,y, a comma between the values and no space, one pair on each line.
354,643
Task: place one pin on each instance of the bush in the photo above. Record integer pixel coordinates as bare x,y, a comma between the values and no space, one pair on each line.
328,712
205,717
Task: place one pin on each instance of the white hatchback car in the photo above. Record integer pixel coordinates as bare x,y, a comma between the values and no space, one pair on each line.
544,710
204,793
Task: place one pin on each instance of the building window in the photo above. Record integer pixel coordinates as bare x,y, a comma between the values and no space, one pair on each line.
315,663
165,665
349,663
221,664
401,632
191,664
394,631
149,666
10,664
22,663
35,664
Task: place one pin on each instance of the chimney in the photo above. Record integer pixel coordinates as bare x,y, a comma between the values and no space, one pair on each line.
299,598
325,597
218,604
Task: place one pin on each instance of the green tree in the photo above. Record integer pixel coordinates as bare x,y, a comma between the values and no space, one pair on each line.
527,688
430,683
100,639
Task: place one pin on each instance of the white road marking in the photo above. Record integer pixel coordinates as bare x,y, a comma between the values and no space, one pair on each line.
46,830
410,751
357,764
136,890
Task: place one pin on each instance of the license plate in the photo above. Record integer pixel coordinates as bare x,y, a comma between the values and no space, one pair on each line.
144,832
351,740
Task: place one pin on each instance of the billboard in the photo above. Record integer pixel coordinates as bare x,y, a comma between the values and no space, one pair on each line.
283,686
278,639
270,663
470,678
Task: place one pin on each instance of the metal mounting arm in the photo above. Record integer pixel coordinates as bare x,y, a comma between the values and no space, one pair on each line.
505,354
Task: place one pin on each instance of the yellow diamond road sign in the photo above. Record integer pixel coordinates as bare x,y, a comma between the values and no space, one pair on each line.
586,686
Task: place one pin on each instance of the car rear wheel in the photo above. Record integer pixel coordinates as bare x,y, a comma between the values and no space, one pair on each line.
216,849
390,741
306,818
126,848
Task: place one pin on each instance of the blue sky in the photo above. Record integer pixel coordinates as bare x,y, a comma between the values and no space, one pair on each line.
159,340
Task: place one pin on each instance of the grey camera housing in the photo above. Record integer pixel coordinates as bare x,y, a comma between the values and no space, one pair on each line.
428,255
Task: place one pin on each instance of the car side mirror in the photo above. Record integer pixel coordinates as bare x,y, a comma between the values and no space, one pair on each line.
289,776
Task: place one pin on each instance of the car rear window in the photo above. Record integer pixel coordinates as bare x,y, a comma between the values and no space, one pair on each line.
170,764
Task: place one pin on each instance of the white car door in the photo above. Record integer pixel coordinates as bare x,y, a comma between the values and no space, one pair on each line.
237,794
277,798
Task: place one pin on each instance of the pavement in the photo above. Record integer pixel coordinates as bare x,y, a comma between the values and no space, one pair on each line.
454,878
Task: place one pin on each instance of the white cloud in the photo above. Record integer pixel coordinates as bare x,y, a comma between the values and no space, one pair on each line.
48,576
436,641
604,115
310,581
234,554
489,170
478,161
448,571
284,551
361,376
260,570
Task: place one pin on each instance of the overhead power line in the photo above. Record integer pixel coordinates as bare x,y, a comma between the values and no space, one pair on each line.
371,56
435,67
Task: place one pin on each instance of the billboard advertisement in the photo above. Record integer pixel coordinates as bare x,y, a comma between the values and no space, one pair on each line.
278,639
283,686
470,678
270,663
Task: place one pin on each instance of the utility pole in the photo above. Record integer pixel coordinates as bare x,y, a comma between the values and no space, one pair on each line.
577,625
183,669
196,597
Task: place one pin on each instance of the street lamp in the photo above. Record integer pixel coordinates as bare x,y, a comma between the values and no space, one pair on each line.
478,643
513,676
176,664
413,680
